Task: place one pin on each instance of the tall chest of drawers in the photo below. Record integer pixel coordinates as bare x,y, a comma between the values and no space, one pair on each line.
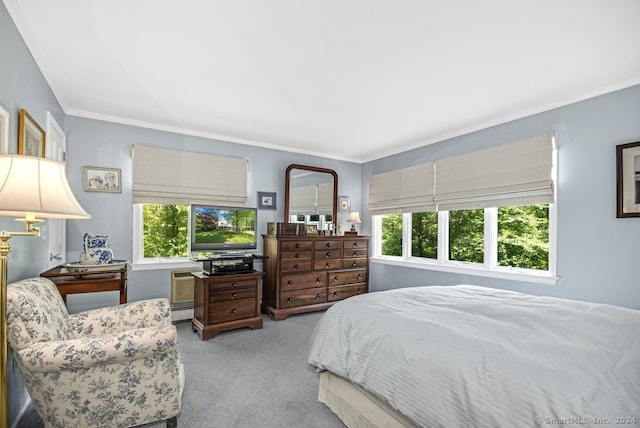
311,273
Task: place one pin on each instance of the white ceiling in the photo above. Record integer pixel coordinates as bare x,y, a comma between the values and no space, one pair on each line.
347,79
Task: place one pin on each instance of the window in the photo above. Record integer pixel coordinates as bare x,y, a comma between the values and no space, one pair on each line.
489,212
513,240
165,231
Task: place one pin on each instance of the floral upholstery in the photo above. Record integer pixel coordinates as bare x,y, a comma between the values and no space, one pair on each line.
111,367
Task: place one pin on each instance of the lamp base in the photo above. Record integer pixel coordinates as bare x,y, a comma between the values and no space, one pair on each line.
351,233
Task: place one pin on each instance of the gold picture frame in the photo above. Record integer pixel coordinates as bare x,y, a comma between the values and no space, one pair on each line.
31,136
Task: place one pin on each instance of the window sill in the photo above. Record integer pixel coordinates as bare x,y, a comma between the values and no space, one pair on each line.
158,264
513,275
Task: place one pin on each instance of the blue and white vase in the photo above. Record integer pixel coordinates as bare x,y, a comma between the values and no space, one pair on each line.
95,250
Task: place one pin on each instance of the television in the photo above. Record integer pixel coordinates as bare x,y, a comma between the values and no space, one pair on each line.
223,229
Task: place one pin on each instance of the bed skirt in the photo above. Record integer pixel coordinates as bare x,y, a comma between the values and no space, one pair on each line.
356,407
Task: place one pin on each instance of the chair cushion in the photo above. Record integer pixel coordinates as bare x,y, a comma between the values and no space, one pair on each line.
36,313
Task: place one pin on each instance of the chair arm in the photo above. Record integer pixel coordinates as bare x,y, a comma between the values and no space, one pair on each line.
107,349
120,318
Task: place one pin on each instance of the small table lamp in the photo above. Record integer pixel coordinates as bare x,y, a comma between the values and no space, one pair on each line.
30,187
354,217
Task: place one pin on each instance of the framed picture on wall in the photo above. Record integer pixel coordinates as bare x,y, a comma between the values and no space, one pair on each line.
344,203
31,136
628,179
98,179
267,200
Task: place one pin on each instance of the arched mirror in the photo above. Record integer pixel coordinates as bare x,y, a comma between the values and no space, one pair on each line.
311,196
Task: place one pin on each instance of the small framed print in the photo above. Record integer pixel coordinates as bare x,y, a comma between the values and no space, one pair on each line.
31,136
311,229
628,180
98,179
267,200
344,203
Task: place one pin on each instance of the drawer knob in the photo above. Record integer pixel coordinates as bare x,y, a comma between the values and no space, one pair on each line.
318,280
359,291
234,285
335,294
327,265
328,244
359,276
355,263
318,297
297,267
297,245
335,278
355,254
234,295
234,311
328,254
289,299
289,282
297,256
355,245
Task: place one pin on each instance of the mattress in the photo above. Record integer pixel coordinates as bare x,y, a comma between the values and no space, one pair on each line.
459,356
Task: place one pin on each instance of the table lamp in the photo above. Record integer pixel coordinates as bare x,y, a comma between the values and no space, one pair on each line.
32,188
354,218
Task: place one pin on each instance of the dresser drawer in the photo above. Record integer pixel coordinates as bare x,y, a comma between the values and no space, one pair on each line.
344,291
226,296
355,244
354,253
303,280
295,265
327,244
354,263
296,245
327,264
231,285
311,296
343,277
231,311
327,254
297,255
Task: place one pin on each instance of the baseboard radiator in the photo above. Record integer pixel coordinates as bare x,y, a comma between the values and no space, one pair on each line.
181,295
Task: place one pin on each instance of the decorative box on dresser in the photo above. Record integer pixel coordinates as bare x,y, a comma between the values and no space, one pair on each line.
311,273
226,302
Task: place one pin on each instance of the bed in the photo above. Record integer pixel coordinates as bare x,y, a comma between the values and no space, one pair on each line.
469,356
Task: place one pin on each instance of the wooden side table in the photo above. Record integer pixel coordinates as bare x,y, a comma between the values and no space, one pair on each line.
89,282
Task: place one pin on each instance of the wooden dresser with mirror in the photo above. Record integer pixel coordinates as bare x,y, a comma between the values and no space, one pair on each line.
312,272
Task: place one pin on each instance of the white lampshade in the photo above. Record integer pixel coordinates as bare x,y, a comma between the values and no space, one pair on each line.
354,217
36,186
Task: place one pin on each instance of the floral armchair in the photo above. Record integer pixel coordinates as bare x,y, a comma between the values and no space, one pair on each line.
110,367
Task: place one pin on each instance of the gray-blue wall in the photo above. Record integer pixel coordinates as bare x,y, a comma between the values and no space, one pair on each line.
597,252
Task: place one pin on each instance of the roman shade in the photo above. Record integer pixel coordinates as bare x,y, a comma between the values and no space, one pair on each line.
403,190
311,199
163,176
518,173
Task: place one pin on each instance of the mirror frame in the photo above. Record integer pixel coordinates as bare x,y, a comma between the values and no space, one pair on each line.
314,169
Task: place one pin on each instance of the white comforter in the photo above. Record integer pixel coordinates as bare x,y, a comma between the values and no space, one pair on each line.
467,356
